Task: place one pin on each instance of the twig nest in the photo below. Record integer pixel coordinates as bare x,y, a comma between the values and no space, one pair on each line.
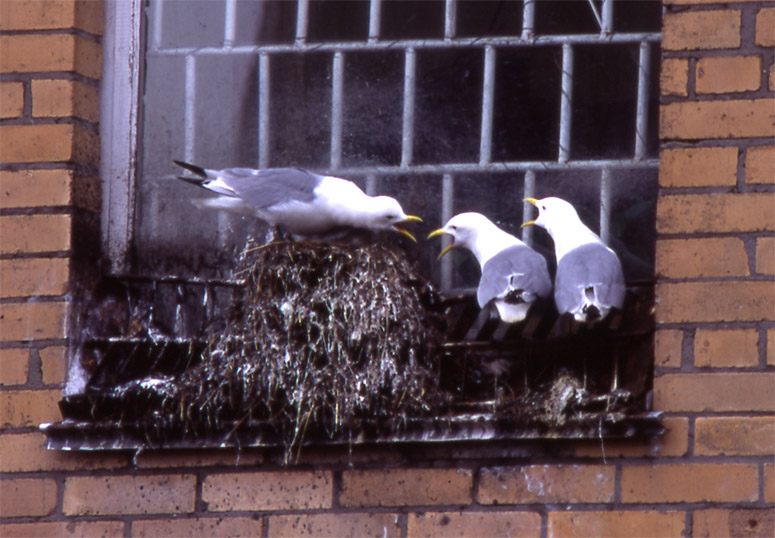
328,338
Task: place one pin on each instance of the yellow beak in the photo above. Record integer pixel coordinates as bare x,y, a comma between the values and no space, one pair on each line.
404,231
535,203
436,233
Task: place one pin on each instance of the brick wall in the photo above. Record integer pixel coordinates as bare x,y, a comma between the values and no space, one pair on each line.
712,474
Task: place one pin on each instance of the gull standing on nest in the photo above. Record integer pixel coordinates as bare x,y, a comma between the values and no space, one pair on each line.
299,202
513,274
589,281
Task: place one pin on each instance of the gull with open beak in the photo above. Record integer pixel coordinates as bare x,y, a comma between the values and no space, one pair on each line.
513,276
589,281
297,201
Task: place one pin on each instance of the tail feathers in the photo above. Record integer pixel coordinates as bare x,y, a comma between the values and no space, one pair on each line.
194,169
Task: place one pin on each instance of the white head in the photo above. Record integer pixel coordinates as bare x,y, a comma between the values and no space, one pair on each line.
385,213
477,233
561,220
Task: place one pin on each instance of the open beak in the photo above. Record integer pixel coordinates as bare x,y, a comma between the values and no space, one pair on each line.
404,231
535,203
436,233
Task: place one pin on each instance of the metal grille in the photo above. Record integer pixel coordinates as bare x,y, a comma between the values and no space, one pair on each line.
270,61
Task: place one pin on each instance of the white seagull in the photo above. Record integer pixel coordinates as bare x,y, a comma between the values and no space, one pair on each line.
589,279
513,274
302,203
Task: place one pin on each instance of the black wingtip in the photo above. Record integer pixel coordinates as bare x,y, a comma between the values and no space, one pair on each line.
194,169
193,181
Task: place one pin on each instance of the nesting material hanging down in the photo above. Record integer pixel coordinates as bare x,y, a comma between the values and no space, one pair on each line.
331,339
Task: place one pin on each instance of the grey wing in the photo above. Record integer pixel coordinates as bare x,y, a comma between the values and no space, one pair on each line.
265,188
589,265
515,268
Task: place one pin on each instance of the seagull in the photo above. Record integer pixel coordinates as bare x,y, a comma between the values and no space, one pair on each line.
589,279
513,274
300,202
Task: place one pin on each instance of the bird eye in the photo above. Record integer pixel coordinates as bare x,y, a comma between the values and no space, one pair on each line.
390,217
453,227
543,208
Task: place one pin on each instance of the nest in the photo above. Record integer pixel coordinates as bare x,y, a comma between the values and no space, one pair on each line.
330,339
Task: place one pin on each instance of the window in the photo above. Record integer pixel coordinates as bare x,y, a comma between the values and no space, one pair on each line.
449,106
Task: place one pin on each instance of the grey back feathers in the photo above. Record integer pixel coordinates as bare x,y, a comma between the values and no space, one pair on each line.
271,186
514,269
592,266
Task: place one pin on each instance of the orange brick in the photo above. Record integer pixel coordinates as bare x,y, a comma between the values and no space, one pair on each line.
36,15
693,120
769,482
674,77
399,487
53,364
726,348
689,482
27,277
765,255
770,346
334,525
546,484
667,348
32,321
700,30
61,98
765,27
35,233
24,452
720,523
707,257
715,301
63,529
291,490
11,99
89,16
462,524
691,213
738,436
27,497
760,165
29,53
105,495
698,167
29,407
203,526
725,74
14,366
31,143
771,78
196,458
35,188
673,443
633,524
715,392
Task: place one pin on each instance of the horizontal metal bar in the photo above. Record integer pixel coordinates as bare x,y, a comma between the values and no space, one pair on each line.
476,42
490,168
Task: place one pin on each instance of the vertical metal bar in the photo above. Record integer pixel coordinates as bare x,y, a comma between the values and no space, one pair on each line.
189,118
450,19
263,110
407,141
156,24
528,18
488,91
641,116
527,207
371,184
605,205
565,104
375,19
447,202
302,20
607,25
230,23
337,92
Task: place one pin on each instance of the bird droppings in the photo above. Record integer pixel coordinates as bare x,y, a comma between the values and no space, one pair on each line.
346,343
